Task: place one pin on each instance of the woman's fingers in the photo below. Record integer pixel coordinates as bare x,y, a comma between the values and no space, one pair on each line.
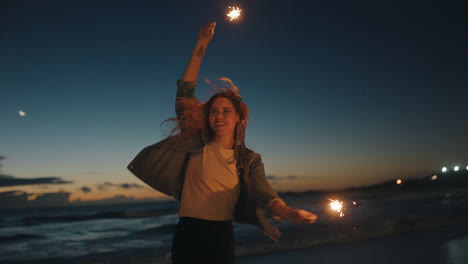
208,30
311,217
304,217
211,27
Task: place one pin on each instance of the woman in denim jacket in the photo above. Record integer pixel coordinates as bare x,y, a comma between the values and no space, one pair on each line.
210,171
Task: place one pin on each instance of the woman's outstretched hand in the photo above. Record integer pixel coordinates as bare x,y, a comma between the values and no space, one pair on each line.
206,33
299,216
292,215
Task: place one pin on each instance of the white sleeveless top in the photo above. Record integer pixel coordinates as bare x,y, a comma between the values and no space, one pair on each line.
211,186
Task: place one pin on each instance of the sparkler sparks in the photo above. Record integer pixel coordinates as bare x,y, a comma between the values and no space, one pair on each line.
337,206
234,13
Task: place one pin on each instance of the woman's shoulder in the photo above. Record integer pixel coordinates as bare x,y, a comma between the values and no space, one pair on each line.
252,156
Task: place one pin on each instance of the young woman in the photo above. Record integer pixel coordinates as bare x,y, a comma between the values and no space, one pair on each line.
210,171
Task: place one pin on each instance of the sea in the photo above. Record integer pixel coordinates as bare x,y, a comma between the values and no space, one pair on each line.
142,232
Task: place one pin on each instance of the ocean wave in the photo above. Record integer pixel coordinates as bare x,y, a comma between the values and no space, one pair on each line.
84,217
164,229
19,237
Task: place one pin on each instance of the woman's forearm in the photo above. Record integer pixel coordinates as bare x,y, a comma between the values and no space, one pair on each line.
279,208
193,66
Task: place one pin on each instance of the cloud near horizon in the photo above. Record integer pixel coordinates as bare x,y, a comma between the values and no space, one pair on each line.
130,186
274,177
85,189
274,180
104,186
20,199
8,181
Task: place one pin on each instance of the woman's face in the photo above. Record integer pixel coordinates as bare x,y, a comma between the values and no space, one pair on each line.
223,117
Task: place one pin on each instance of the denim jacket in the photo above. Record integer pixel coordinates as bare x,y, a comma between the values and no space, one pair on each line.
163,166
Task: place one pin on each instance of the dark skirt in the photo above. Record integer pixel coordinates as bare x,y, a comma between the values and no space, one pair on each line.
202,241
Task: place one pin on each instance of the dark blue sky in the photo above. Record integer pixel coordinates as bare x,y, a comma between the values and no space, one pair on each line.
341,93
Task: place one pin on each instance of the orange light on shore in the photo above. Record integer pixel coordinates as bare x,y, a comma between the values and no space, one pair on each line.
32,197
234,13
336,206
399,181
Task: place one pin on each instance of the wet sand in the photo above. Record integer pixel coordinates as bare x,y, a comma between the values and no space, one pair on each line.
438,246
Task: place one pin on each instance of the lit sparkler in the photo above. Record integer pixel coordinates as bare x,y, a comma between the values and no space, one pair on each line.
234,13
336,206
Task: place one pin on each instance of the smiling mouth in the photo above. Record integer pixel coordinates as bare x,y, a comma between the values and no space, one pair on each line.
220,124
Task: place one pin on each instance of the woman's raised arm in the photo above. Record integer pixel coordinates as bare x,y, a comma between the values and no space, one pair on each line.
205,35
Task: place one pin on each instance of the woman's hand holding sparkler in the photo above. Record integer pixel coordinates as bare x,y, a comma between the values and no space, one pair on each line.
205,35
299,216
292,215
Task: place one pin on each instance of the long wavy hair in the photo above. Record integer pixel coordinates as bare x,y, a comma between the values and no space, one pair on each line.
194,116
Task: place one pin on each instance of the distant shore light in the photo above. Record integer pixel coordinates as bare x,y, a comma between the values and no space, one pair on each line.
456,168
444,169
466,167
434,177
399,181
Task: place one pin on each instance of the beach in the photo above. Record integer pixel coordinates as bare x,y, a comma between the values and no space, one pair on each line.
447,245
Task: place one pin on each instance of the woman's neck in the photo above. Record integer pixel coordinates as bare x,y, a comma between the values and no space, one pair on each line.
225,142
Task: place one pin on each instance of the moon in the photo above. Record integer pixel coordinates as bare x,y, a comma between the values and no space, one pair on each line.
21,113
